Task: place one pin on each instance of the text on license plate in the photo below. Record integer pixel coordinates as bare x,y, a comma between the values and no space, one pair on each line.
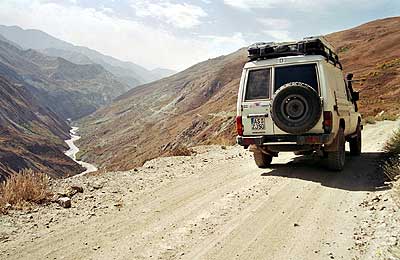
257,123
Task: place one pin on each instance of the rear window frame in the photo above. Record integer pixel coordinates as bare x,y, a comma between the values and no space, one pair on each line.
270,83
272,78
298,64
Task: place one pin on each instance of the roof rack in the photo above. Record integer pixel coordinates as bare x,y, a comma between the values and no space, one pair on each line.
308,46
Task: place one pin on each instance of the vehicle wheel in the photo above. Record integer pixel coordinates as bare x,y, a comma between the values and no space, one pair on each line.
336,159
262,160
355,142
296,108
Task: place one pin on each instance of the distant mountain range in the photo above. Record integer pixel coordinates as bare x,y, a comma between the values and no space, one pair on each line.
70,90
126,72
198,105
45,81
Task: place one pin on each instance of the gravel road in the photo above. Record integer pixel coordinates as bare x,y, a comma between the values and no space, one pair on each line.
213,205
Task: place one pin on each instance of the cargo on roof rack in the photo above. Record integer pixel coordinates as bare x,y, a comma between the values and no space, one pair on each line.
307,46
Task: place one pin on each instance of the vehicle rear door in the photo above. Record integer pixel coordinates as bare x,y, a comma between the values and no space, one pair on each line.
306,73
256,103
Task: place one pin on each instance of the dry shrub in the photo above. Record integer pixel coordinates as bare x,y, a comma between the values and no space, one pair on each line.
180,151
391,164
386,116
392,147
369,120
24,188
391,167
380,117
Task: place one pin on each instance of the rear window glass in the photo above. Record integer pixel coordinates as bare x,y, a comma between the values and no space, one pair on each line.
258,84
299,73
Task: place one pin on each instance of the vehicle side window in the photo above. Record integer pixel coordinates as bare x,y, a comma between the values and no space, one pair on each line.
258,84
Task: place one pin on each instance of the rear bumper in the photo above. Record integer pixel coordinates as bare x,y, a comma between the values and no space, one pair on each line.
285,139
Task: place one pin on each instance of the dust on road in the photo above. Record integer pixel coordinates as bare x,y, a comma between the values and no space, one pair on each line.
214,205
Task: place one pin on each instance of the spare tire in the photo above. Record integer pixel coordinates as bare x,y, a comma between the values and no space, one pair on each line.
296,108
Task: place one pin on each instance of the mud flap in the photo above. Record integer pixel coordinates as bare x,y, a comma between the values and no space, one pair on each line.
333,147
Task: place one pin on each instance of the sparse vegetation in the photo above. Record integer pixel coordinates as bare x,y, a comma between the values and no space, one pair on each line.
369,120
391,164
380,117
391,167
386,116
180,150
224,140
343,49
382,67
389,64
23,189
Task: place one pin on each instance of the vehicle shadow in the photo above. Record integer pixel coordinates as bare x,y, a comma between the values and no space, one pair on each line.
361,173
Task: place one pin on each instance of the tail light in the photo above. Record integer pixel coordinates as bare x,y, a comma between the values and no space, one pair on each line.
239,125
327,121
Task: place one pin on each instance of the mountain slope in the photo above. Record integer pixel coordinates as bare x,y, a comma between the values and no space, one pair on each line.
74,57
125,75
127,72
371,51
69,89
188,108
197,106
31,136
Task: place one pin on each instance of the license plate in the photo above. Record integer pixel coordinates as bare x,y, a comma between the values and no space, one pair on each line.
257,123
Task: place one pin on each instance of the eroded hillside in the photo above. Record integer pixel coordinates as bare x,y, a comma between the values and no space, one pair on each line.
371,51
31,136
69,89
192,107
197,106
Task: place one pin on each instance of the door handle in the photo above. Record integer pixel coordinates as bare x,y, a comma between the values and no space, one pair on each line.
257,115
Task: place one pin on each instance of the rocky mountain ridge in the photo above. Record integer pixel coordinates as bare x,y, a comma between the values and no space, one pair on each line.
126,72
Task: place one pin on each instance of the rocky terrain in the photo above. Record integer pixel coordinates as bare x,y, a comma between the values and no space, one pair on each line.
216,204
197,106
31,135
193,107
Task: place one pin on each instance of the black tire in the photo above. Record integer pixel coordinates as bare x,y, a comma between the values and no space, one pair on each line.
336,159
355,142
296,108
262,160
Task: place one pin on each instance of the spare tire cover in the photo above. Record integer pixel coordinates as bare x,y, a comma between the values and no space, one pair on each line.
296,108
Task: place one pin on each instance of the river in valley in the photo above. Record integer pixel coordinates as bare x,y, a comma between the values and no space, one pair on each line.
73,150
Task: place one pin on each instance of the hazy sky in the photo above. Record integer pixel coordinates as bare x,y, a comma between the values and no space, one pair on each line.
178,33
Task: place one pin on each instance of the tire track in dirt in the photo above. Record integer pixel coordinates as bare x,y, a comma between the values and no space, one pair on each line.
219,205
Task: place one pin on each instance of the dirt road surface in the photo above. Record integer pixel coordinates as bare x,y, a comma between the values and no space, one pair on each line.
213,205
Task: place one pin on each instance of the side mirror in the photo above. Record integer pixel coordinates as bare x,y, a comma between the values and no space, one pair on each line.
356,96
349,76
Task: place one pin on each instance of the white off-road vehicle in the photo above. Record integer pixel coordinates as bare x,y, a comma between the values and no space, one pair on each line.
293,97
